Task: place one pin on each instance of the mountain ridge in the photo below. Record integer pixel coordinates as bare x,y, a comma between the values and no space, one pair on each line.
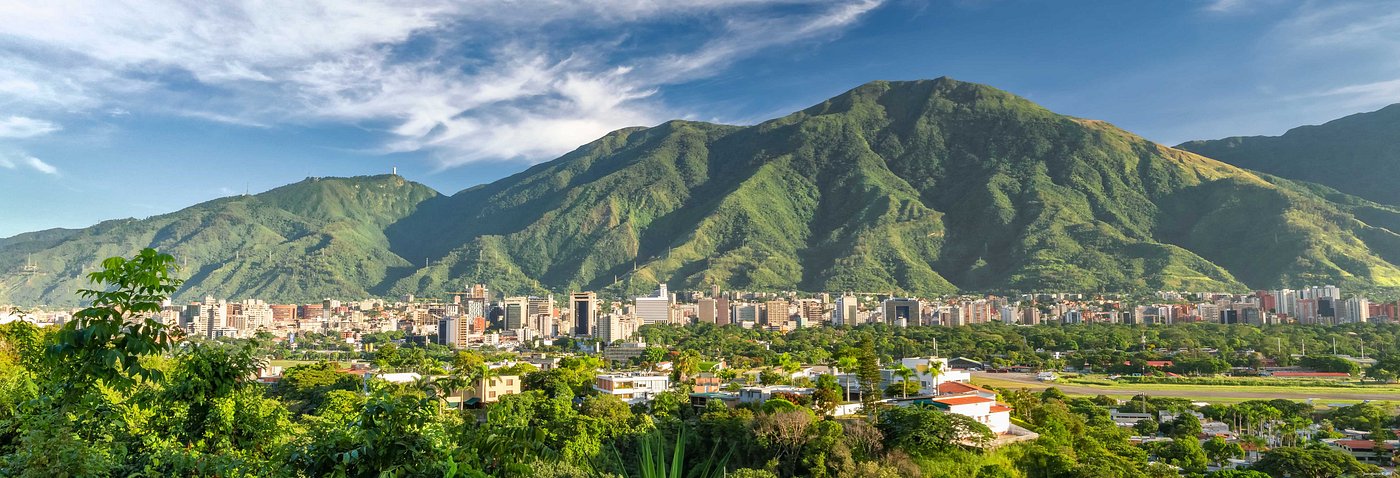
1354,154
922,187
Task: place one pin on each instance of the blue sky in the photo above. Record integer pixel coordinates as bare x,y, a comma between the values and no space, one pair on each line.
113,109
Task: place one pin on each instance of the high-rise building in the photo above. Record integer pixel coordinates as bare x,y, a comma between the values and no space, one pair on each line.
540,305
656,309
585,310
775,312
283,313
812,311
517,309
722,312
746,313
901,311
453,331
1355,309
615,327
847,311
705,310
256,315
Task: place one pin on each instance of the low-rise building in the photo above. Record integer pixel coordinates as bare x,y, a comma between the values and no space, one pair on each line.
633,388
492,389
986,411
764,393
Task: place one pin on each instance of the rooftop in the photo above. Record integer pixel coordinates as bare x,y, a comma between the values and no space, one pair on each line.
964,400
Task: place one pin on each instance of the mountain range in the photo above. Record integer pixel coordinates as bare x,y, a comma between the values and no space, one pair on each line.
919,187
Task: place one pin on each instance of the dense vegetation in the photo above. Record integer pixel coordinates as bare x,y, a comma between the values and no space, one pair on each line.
111,394
1196,349
925,187
1357,154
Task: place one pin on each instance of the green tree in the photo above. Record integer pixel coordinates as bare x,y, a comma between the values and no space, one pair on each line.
869,376
1319,462
925,431
1186,425
1219,451
1146,427
904,374
106,342
1386,368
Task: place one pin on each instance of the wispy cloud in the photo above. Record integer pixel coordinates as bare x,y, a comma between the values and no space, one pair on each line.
24,127
28,162
1361,38
463,80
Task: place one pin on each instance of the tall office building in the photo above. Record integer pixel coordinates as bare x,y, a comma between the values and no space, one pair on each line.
656,309
516,310
453,331
812,311
1355,309
847,311
615,327
705,310
722,312
775,312
585,309
745,313
901,311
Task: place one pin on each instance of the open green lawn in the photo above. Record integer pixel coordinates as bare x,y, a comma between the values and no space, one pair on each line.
1206,393
293,363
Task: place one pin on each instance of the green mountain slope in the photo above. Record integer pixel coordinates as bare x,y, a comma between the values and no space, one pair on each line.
306,241
1358,154
926,187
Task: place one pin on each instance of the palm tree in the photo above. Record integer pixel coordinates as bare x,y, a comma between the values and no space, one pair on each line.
904,374
935,370
847,362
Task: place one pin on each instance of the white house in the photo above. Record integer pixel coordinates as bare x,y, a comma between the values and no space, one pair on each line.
922,367
986,411
632,388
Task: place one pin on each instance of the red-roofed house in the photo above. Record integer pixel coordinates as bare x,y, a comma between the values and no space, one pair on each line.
1159,363
959,388
1365,450
986,411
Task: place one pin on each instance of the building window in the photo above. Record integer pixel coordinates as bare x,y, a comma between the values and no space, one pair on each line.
493,394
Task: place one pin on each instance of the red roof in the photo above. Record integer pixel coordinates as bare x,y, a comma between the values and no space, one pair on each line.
1360,444
998,408
1159,363
959,387
1311,374
963,400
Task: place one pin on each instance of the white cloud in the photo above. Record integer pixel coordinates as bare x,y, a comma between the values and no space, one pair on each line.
24,160
483,79
23,127
40,165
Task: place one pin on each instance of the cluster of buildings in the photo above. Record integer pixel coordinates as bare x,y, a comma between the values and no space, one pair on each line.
475,317
933,383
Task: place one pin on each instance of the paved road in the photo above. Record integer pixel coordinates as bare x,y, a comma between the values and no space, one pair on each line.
1194,392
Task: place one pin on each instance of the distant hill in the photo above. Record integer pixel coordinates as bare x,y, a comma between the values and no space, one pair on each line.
923,187
306,241
1358,154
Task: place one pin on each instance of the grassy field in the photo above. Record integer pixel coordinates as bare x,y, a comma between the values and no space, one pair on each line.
293,363
1206,393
